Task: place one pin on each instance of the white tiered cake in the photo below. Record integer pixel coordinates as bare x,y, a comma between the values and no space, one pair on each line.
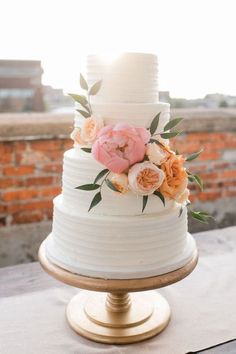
115,240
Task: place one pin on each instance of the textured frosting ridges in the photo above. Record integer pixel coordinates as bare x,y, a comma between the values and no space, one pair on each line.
80,168
140,115
119,247
128,78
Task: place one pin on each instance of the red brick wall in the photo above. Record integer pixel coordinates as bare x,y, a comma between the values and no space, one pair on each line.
30,173
30,176
216,165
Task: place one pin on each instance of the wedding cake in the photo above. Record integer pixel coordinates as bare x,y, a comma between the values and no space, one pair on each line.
122,211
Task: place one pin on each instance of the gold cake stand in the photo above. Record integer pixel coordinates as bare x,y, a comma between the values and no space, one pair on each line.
117,317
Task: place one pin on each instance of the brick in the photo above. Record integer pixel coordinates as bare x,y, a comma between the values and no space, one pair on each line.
20,145
23,218
209,156
220,165
67,144
38,181
6,147
22,194
18,171
6,182
29,206
2,208
209,196
52,168
46,145
209,176
5,158
55,155
50,192
228,174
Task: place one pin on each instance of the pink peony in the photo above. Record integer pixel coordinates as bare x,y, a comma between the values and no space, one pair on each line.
120,146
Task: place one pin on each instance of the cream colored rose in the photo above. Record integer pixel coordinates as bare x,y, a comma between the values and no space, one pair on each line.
144,178
76,136
183,197
156,153
120,181
176,179
90,129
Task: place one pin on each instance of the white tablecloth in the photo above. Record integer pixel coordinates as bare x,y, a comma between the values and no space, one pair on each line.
203,311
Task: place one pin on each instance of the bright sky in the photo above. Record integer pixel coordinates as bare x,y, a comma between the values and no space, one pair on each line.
195,40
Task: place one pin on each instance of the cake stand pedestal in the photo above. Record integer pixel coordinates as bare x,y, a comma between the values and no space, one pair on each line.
117,317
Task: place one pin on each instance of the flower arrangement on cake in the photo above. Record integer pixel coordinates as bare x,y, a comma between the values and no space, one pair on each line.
136,159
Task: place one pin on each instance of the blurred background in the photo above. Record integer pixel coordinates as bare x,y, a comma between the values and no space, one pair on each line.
43,46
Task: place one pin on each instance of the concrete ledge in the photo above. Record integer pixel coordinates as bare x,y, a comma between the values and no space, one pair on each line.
32,126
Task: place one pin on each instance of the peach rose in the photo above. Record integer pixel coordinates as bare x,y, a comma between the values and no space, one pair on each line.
157,153
183,197
90,129
176,179
76,136
145,177
120,181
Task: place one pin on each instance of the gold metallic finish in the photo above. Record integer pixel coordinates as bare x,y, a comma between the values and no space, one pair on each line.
117,317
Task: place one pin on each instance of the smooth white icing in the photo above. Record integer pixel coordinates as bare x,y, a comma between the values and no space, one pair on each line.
119,246
129,78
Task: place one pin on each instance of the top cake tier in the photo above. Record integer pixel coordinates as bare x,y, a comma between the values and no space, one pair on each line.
128,78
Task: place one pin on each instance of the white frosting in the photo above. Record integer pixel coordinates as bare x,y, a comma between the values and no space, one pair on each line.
119,247
115,240
81,168
129,78
140,115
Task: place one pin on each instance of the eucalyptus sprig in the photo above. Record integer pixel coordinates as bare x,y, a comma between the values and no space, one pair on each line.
84,100
95,185
201,216
166,134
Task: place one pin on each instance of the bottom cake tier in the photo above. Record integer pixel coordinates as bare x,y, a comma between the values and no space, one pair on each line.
119,247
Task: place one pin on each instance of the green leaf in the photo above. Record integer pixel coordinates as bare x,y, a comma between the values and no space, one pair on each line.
80,99
111,185
96,199
161,196
169,135
181,211
100,175
145,199
172,123
95,88
155,141
88,187
197,180
191,179
154,124
200,216
83,113
194,155
83,83
86,149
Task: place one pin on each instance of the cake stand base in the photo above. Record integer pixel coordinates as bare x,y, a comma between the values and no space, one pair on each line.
128,313
118,318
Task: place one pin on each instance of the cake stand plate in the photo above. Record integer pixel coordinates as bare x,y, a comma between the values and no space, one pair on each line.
117,317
